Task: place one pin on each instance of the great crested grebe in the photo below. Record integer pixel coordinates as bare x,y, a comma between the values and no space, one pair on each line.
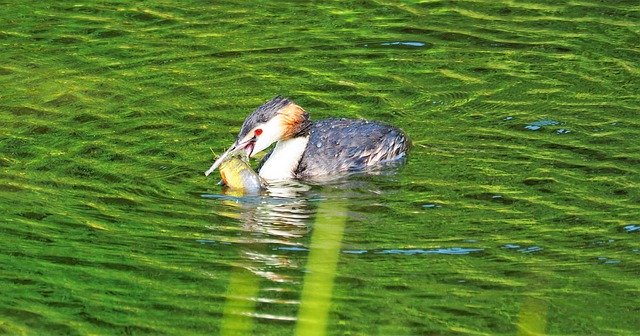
306,149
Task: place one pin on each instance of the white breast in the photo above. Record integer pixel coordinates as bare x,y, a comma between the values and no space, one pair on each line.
284,159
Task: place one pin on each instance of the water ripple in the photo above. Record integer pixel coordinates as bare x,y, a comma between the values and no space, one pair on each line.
525,124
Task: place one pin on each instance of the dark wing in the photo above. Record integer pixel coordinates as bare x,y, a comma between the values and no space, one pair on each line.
343,145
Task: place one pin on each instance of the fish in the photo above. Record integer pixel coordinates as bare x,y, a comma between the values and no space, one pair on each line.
237,174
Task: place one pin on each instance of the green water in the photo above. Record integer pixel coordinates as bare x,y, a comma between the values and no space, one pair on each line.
518,211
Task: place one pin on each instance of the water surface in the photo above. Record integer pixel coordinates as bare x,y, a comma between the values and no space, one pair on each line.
516,213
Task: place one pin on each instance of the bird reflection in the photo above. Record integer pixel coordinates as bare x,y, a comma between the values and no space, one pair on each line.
274,226
278,217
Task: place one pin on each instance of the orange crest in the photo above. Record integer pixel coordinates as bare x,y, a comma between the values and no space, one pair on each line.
292,116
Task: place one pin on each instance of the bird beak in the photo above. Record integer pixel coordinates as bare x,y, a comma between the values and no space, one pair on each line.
233,150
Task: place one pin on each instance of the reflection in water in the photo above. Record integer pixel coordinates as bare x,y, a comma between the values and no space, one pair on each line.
279,222
282,216
242,289
533,317
321,268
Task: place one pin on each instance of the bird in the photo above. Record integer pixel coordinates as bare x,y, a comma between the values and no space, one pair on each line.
307,149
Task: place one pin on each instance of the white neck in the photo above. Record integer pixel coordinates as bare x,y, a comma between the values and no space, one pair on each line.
284,159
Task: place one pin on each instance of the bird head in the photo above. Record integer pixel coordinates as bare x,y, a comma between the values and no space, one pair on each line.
278,119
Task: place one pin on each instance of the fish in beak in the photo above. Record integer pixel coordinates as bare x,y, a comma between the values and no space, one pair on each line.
236,148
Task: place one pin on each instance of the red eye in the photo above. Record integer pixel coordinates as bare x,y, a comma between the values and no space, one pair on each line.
257,132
